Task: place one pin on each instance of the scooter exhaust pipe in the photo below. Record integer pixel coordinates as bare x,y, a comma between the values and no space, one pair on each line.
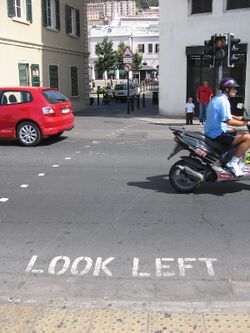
192,173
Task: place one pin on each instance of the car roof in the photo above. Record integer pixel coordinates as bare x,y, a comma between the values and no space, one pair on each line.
27,88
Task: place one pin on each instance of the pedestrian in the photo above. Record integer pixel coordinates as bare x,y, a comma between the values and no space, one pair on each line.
189,109
203,95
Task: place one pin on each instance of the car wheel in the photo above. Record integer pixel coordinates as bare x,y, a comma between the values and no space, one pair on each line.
29,134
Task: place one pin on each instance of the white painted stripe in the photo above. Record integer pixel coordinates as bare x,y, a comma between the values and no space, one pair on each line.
4,199
24,186
86,146
96,142
55,166
41,174
78,151
67,158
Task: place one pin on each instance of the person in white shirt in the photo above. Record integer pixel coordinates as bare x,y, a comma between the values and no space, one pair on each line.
189,109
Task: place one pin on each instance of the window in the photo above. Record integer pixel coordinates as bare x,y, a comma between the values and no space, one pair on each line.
15,97
51,14
20,9
23,71
235,4
74,81
72,21
141,48
54,96
150,48
157,48
35,75
201,6
53,76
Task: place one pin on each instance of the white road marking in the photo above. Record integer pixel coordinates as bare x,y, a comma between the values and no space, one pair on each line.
24,186
55,166
42,174
160,267
96,142
78,152
4,200
67,158
86,146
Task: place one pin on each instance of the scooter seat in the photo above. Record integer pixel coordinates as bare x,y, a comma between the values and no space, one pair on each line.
212,143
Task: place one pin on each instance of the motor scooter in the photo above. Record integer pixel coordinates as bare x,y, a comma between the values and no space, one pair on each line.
206,161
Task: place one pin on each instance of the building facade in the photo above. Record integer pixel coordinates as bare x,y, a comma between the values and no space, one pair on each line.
44,43
142,38
184,26
122,8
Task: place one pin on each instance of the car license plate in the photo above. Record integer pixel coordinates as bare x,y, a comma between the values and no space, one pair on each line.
65,110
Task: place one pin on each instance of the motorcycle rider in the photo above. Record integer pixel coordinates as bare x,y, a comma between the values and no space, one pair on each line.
218,122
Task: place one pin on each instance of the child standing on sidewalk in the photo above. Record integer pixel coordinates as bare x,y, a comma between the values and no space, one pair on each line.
189,109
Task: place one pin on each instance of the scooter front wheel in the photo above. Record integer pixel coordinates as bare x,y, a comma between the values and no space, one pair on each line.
180,180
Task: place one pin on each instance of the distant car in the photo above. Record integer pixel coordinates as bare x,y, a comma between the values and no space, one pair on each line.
121,91
32,113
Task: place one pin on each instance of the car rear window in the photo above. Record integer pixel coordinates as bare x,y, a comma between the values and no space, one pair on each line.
54,96
120,87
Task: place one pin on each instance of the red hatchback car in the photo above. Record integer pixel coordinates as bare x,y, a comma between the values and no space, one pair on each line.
31,113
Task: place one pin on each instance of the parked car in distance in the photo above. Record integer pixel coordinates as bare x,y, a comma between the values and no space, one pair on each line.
121,91
31,113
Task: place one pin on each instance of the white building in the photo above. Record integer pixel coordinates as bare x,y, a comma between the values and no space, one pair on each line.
184,25
38,47
142,38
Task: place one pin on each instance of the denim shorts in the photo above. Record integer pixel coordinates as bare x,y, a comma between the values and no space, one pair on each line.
226,138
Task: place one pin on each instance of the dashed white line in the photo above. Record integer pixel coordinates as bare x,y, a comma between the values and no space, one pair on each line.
41,174
24,186
67,158
96,142
4,200
86,146
55,166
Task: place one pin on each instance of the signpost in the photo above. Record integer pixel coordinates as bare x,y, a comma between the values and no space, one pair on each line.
127,65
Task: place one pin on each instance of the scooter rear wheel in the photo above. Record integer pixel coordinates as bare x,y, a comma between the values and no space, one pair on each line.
181,181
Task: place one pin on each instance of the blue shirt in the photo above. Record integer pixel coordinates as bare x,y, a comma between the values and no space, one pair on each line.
218,112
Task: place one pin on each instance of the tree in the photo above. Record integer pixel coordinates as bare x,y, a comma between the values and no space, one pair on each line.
137,58
106,55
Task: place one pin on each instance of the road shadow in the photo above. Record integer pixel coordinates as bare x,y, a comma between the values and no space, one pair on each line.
160,183
45,142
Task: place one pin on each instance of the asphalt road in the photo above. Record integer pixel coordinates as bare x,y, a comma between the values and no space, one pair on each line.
91,218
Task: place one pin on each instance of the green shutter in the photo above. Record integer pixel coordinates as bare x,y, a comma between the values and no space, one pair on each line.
68,19
29,10
77,22
44,9
57,15
11,8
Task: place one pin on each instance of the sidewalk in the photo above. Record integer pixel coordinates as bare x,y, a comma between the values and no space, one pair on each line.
17,318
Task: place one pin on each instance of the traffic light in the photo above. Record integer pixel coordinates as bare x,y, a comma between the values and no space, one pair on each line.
233,50
209,51
220,47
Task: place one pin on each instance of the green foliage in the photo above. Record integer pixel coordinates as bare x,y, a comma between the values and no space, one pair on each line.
110,59
106,55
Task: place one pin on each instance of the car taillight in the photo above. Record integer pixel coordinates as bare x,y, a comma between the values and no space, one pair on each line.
48,110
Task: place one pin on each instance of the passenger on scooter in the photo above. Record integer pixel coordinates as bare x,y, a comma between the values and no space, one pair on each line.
219,117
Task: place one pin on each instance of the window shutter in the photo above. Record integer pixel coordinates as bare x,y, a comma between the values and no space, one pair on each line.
57,15
77,23
45,18
29,10
68,19
11,8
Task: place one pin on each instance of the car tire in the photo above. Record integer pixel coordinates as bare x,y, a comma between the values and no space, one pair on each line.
28,134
